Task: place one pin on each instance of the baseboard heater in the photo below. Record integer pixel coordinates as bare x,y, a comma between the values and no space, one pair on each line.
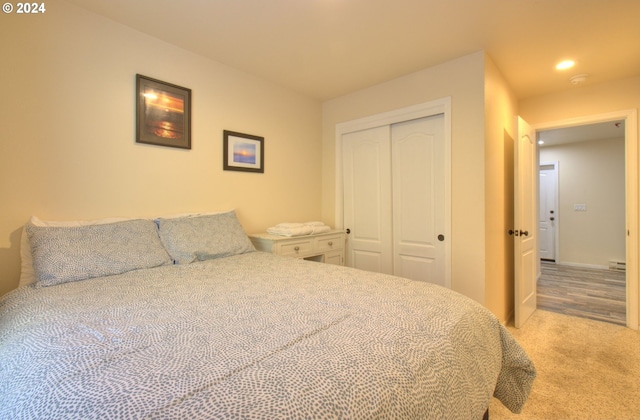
617,265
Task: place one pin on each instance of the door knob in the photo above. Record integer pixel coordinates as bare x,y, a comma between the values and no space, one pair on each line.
524,233
552,218
348,231
441,237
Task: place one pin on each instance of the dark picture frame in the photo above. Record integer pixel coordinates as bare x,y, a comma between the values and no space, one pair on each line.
242,152
163,113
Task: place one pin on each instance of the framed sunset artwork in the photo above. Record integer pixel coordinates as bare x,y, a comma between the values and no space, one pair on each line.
163,113
242,152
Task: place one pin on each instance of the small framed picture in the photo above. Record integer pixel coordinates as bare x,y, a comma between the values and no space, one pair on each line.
163,113
243,152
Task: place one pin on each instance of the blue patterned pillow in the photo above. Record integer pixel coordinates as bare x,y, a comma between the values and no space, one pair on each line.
204,237
64,254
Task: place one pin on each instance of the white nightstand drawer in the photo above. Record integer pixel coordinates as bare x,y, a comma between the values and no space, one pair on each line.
295,248
329,243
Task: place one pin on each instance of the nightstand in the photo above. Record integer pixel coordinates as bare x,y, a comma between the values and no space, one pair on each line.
325,247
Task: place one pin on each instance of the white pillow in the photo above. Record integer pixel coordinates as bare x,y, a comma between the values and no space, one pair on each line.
181,215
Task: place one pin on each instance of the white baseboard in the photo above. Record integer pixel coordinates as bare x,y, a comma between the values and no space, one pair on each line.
580,265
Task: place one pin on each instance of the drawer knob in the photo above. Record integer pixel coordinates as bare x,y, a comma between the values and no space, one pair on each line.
330,243
297,248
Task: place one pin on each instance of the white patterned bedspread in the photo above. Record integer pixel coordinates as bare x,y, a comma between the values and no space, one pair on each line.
253,336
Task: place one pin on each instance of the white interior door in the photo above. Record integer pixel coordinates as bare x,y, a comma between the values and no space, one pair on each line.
526,225
548,210
366,157
418,171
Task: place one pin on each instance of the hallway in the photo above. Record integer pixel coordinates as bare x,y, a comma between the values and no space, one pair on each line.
597,294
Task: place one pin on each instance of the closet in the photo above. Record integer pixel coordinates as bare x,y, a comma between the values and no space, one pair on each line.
395,198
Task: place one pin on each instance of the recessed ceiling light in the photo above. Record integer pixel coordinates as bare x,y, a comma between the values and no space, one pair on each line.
566,64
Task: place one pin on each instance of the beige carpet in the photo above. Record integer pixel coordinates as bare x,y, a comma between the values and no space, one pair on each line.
586,370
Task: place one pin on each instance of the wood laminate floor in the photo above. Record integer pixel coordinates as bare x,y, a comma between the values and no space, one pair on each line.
583,292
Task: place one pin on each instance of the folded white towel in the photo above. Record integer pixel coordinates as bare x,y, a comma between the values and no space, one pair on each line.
321,229
291,231
289,225
297,229
296,225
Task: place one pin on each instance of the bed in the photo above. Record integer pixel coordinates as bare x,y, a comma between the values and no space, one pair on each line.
180,318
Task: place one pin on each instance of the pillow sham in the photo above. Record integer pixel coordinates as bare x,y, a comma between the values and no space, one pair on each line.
192,238
27,275
70,253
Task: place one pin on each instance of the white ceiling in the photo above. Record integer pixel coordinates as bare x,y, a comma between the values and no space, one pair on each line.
590,132
328,48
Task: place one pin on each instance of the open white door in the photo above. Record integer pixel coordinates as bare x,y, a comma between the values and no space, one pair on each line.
526,223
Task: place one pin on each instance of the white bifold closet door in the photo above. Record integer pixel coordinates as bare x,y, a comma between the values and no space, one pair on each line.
394,199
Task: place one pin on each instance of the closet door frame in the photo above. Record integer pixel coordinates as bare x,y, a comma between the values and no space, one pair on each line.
427,109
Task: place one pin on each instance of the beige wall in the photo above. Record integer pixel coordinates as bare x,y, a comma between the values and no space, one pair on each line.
68,150
463,80
500,132
590,173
